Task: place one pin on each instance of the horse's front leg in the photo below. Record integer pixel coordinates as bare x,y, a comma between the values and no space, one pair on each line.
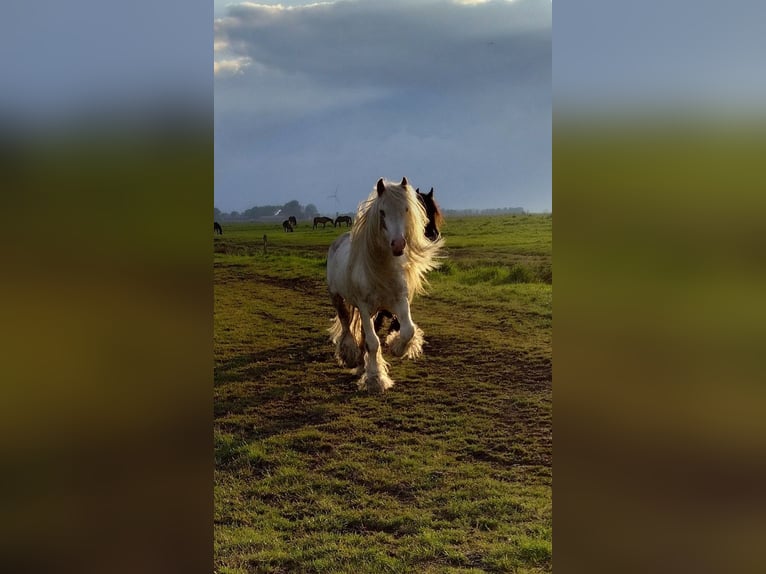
375,376
408,341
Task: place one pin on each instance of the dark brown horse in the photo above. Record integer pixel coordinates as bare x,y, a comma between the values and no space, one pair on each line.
435,218
343,219
431,231
322,220
286,225
217,228
293,221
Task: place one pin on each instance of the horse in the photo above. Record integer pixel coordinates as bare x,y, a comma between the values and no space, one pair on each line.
286,225
293,221
217,228
343,219
431,231
322,220
435,218
380,264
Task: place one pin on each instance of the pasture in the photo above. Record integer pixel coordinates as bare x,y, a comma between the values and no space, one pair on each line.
448,471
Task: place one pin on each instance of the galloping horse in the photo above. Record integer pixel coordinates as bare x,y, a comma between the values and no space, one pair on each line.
322,220
294,222
431,231
380,264
286,225
217,228
343,219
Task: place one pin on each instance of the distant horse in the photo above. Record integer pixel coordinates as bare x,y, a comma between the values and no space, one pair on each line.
293,221
343,219
286,225
431,231
366,273
217,228
322,220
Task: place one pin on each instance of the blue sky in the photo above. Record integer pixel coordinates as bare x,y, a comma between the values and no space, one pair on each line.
334,95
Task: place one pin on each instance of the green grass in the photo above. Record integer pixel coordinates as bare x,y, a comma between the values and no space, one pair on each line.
449,471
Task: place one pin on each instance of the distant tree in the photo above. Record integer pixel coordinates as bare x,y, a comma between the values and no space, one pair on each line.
216,212
261,211
310,211
292,208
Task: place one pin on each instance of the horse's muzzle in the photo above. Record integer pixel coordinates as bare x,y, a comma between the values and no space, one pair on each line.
398,245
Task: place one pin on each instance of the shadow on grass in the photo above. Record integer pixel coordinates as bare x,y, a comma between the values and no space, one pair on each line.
257,365
281,390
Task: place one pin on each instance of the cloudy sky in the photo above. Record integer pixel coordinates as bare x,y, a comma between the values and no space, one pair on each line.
314,98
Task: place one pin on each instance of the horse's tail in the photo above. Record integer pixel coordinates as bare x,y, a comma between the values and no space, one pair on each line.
335,330
354,323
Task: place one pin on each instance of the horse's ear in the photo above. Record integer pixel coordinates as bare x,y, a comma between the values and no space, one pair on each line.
430,193
417,190
381,187
404,182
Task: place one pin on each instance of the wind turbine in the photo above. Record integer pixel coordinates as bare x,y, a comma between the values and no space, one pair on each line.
337,201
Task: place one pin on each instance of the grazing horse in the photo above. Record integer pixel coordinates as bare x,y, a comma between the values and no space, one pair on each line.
380,264
286,225
294,222
431,231
217,228
322,220
343,219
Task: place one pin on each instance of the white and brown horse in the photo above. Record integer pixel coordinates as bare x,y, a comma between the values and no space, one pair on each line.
380,264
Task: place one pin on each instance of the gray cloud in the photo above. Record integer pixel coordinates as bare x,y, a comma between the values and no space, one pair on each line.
380,44
340,94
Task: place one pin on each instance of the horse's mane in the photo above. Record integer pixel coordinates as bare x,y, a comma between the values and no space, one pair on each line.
369,249
438,217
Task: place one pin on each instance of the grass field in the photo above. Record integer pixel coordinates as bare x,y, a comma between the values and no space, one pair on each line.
449,471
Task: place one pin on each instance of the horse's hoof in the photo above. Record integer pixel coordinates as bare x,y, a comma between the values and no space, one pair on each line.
348,353
412,349
375,383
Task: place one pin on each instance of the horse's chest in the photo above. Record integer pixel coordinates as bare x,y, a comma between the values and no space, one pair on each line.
381,291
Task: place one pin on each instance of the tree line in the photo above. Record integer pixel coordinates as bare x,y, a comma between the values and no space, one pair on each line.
308,212
292,207
491,211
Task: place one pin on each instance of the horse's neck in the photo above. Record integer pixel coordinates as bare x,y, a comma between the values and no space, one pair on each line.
391,274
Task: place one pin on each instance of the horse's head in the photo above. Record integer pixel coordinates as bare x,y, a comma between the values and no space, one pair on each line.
433,213
393,208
